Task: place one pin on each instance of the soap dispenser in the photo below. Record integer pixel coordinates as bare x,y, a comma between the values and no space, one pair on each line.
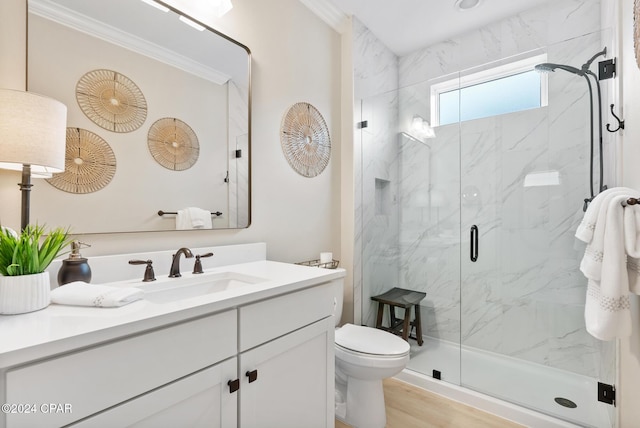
76,267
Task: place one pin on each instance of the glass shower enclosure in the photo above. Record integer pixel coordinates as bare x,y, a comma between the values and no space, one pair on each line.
480,214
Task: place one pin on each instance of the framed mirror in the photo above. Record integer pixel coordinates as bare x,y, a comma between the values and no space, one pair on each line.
167,97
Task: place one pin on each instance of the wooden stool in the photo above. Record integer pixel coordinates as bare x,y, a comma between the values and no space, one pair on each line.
401,298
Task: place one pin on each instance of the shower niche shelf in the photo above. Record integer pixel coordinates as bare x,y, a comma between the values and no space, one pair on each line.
383,197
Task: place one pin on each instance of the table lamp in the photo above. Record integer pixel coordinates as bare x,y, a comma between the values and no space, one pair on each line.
32,138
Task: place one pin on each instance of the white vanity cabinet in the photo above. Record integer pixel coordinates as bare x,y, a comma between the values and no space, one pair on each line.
201,400
91,380
265,363
289,381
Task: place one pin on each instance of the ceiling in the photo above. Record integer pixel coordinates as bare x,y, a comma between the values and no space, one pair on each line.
406,25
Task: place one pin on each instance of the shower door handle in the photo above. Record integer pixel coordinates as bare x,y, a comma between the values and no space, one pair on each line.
473,243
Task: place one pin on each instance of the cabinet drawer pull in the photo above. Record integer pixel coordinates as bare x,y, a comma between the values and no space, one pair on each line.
234,385
252,375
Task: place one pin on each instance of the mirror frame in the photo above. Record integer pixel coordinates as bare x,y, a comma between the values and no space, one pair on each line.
249,123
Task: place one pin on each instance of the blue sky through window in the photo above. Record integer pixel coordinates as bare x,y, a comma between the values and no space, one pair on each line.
500,96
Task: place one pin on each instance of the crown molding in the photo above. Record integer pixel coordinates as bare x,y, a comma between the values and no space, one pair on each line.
329,13
95,28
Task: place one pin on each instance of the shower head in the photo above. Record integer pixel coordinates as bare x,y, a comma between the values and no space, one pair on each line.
544,68
587,64
549,67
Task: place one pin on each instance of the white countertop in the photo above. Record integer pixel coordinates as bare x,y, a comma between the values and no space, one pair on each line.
60,328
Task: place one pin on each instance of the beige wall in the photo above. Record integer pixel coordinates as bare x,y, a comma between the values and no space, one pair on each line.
296,57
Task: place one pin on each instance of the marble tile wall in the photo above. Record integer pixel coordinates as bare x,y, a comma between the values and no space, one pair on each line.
376,240
375,66
527,31
524,297
238,215
430,228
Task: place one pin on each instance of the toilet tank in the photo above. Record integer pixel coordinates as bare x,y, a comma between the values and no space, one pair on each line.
338,299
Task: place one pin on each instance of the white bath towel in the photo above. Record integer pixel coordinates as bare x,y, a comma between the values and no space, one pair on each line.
193,218
82,294
592,231
200,219
183,220
588,224
632,246
607,313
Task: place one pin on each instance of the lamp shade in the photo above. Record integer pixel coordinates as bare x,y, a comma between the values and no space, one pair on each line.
32,132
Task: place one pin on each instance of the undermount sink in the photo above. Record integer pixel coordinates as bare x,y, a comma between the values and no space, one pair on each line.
175,289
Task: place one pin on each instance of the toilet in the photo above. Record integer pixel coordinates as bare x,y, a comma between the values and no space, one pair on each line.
364,356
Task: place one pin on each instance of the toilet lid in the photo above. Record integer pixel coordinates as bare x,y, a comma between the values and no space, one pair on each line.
370,340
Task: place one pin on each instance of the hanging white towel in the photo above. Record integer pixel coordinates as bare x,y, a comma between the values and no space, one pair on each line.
607,313
82,294
183,220
193,218
200,219
593,231
632,246
588,224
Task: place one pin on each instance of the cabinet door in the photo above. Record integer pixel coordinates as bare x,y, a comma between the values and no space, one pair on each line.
202,400
289,382
100,377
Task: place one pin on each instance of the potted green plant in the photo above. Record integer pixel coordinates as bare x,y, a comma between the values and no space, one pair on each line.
24,283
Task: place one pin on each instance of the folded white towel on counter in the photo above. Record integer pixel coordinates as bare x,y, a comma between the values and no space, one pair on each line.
82,294
193,218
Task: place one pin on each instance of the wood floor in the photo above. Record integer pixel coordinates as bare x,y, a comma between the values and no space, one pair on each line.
411,407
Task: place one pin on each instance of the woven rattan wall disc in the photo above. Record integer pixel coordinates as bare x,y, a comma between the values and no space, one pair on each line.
305,139
173,144
89,163
111,100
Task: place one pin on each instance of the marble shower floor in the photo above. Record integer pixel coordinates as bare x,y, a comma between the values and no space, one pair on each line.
517,381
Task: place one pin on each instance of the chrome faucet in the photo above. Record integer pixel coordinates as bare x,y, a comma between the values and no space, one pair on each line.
175,264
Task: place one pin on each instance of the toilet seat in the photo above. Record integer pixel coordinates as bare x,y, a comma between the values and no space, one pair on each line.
356,339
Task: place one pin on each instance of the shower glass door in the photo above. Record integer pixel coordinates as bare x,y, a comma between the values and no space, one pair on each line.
429,239
479,212
524,177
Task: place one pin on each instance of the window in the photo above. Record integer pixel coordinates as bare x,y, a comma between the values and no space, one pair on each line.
498,90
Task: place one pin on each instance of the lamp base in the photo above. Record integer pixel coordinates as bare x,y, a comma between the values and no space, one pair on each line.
25,188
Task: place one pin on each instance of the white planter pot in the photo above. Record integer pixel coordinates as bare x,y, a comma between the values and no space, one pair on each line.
24,293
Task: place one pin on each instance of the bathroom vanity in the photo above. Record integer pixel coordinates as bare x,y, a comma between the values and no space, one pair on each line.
256,355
